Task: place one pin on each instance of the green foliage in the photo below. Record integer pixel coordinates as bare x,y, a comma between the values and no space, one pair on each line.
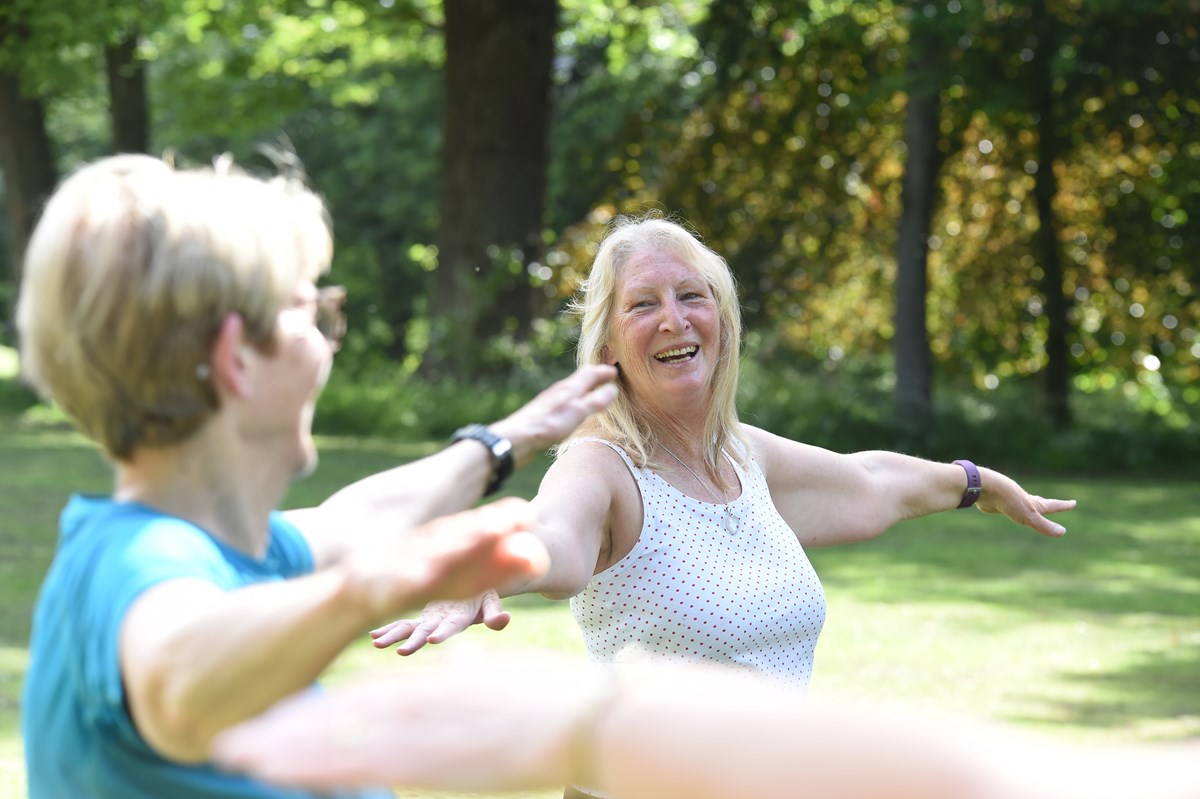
774,127
395,402
847,406
790,166
622,70
15,396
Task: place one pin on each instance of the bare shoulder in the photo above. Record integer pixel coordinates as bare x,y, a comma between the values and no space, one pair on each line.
588,455
589,491
758,439
589,464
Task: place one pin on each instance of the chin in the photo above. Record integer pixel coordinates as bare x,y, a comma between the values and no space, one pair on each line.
306,469
307,463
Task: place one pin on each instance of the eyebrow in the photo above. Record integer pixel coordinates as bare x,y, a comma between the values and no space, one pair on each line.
641,288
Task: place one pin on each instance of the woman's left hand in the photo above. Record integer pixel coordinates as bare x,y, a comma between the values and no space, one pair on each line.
441,620
1002,495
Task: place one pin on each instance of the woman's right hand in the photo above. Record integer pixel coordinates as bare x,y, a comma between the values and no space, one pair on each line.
554,413
441,620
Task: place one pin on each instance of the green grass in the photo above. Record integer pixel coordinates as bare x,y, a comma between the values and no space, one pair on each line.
1094,637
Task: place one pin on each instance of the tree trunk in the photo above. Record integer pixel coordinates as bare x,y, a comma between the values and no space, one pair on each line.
493,174
913,394
127,97
1056,378
26,157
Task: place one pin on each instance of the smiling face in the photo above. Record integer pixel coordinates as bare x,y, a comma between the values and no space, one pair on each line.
664,331
294,373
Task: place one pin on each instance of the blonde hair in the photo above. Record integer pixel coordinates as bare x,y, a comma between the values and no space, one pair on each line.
129,274
620,422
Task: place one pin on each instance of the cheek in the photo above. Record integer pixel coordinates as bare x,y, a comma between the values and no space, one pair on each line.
310,358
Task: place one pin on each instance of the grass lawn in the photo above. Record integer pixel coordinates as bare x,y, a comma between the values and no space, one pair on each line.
1094,637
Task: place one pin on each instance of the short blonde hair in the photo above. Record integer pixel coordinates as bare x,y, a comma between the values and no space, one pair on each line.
629,236
129,274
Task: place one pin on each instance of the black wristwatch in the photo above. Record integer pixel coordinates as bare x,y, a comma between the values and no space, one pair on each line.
500,448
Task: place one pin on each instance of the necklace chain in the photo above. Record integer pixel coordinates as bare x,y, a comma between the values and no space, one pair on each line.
696,476
731,521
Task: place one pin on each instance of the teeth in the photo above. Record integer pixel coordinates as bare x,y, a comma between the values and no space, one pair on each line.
663,356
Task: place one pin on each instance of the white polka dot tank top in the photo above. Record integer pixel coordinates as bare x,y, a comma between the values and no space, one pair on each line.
692,590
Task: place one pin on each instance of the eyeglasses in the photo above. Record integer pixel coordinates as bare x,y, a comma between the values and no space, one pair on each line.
327,314
331,316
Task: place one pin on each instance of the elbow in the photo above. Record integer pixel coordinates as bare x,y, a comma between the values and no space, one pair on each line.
177,739
175,728
859,536
559,586
560,590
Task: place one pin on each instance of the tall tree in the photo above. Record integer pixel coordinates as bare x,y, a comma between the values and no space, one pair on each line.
26,154
913,394
1056,376
128,106
497,76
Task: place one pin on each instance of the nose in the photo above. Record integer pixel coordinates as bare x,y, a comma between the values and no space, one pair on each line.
673,318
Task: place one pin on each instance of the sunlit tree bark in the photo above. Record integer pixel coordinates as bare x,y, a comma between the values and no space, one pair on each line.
493,173
913,394
1056,377
128,111
26,156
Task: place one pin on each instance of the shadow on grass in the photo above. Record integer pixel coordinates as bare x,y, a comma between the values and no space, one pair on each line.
1131,558
1163,687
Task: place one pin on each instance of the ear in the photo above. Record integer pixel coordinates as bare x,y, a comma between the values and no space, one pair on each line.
607,356
228,358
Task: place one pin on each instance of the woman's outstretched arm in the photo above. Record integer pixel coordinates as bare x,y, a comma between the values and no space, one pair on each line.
653,730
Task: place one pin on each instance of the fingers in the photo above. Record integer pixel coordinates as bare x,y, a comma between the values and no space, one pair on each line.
593,387
435,631
483,548
554,413
1046,526
441,621
416,640
495,519
1057,505
494,616
1032,511
588,378
528,556
453,557
389,634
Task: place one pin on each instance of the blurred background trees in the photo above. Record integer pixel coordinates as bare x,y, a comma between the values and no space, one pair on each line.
958,227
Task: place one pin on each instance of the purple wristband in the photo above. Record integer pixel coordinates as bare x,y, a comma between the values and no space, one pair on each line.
974,484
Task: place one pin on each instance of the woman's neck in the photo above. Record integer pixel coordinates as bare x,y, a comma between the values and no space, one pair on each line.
200,483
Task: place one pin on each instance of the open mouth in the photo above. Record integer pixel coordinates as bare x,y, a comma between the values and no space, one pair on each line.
677,355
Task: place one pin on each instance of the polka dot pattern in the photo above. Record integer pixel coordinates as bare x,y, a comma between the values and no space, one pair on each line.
691,590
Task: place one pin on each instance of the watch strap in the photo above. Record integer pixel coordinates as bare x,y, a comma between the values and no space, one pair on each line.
500,449
974,484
